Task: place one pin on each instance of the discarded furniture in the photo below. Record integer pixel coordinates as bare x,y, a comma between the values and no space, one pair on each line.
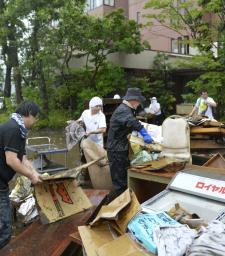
146,184
208,139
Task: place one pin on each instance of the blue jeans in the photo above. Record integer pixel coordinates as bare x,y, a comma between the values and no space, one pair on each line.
5,218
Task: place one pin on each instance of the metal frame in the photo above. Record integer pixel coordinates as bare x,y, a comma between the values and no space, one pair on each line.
41,153
38,138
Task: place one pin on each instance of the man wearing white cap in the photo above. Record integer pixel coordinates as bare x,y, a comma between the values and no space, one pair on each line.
94,121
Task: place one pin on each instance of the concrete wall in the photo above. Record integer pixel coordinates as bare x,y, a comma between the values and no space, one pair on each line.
124,5
142,61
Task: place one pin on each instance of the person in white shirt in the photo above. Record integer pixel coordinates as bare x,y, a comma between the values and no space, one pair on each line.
94,121
204,105
155,109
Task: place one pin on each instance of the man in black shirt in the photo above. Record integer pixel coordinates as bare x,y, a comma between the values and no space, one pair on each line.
123,122
13,159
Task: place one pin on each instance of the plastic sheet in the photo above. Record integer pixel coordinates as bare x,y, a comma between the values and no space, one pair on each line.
142,227
21,190
28,210
143,157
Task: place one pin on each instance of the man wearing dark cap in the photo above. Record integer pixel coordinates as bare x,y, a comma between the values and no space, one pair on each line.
122,123
13,160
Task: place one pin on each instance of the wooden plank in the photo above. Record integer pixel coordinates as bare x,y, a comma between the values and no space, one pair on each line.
207,130
72,173
206,144
161,173
212,123
198,168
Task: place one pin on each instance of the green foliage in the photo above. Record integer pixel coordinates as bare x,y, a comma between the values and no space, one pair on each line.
187,18
189,97
9,106
4,116
56,119
63,52
140,82
161,84
158,83
109,79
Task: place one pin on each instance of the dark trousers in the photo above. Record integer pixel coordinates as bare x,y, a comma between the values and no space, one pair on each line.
118,163
5,218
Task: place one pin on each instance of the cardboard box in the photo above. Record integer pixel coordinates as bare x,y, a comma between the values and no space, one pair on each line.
123,246
120,211
107,233
93,238
60,199
100,241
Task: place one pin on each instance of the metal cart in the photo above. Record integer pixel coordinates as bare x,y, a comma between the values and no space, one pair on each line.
42,153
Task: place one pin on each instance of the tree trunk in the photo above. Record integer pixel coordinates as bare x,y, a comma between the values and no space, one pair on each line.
18,80
7,87
37,69
43,89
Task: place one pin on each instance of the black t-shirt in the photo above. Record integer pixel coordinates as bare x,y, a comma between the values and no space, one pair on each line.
10,140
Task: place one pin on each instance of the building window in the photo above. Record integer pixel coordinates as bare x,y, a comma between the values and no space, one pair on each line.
92,4
138,18
180,45
109,2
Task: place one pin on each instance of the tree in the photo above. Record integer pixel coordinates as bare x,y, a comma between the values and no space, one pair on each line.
42,39
207,35
91,40
161,84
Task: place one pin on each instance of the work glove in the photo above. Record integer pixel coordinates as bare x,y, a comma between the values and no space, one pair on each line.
147,138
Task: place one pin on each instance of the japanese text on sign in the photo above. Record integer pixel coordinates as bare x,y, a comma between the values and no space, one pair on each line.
210,187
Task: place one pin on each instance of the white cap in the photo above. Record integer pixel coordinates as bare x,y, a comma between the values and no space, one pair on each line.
95,101
116,96
153,98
